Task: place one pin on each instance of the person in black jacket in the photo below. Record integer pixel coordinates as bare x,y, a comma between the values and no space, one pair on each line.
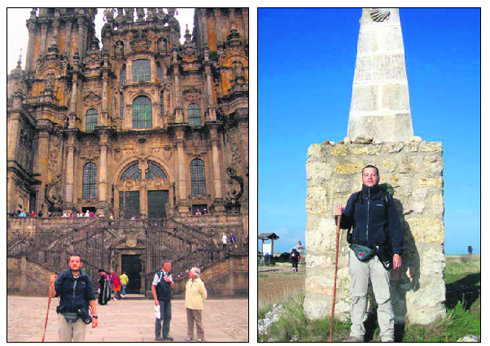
376,224
76,293
162,294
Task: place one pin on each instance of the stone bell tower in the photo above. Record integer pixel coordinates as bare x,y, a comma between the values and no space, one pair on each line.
380,132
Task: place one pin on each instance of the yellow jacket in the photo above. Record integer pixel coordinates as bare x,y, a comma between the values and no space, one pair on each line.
124,279
195,293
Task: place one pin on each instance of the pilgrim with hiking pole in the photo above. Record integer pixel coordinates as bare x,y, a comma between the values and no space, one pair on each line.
376,244
76,293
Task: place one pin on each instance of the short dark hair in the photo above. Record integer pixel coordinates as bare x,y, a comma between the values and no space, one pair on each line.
371,166
73,255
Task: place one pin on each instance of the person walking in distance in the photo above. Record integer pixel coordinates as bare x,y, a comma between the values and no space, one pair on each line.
224,240
376,240
294,258
76,293
162,294
124,282
195,294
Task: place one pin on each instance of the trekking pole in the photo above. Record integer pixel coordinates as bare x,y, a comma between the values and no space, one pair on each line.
47,312
335,277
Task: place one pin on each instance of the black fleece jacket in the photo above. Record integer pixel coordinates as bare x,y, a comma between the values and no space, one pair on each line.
74,293
372,219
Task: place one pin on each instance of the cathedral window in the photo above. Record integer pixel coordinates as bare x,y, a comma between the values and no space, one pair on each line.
141,70
89,181
154,171
133,172
141,113
194,115
91,120
198,179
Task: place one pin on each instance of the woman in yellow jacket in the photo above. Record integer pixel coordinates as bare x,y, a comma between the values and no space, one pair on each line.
195,293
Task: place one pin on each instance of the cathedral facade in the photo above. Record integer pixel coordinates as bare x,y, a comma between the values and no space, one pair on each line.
139,125
136,125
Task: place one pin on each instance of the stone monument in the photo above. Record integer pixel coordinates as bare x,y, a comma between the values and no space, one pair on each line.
380,132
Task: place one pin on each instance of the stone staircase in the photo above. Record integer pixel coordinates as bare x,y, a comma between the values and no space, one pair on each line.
46,243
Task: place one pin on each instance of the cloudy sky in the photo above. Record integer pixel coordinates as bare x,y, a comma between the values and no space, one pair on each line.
18,36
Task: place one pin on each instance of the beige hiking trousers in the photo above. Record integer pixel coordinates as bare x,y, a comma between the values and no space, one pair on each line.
361,273
68,332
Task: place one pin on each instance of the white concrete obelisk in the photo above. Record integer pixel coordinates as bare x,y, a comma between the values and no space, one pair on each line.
380,105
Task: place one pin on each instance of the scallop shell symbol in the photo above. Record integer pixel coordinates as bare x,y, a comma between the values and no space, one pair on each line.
379,15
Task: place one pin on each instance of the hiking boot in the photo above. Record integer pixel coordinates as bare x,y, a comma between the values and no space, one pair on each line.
355,339
158,339
168,338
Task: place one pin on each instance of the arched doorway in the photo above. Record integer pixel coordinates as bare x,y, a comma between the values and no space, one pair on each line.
143,191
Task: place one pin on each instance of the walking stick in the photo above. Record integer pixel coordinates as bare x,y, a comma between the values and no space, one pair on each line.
335,277
47,312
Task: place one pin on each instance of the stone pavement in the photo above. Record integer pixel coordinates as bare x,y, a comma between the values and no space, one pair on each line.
130,320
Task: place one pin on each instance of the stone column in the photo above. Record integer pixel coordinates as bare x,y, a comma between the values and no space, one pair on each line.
220,38
143,191
70,169
218,190
181,170
13,135
41,164
72,110
380,106
30,46
81,37
102,183
105,99
245,23
42,50
68,28
179,115
209,86
56,26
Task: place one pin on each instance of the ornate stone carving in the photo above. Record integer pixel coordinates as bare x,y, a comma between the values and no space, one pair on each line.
53,192
192,94
139,41
379,15
235,185
91,99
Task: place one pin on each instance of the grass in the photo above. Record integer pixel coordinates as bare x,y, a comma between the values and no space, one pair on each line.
277,284
463,315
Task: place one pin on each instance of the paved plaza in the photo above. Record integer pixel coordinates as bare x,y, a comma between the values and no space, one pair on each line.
130,320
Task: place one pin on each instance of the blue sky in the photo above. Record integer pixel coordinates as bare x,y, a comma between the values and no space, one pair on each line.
306,61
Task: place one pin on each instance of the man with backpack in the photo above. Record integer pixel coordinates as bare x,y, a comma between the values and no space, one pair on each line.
76,293
162,294
376,248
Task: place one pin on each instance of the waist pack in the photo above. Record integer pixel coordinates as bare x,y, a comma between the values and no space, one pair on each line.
70,317
363,253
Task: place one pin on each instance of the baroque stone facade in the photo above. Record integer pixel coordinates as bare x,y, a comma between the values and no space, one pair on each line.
138,125
141,100
414,170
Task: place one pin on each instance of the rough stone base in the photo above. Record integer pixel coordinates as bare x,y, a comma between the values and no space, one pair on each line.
414,170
